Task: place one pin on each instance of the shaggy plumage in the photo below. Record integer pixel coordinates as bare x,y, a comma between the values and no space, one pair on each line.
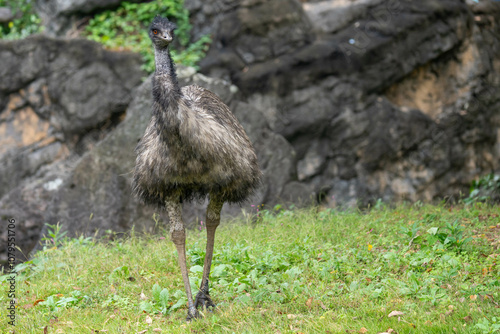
193,148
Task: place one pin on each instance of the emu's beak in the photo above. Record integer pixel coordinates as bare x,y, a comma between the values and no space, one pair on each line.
167,37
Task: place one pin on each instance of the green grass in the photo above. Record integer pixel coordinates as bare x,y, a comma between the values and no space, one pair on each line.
299,271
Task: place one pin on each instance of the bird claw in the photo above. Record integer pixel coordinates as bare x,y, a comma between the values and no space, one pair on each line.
203,300
193,314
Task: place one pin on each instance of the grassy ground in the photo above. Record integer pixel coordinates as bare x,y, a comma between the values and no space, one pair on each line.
410,269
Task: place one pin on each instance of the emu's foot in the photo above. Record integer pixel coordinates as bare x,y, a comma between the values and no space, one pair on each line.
192,314
203,300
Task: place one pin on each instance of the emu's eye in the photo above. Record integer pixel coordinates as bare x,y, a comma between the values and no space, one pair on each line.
155,31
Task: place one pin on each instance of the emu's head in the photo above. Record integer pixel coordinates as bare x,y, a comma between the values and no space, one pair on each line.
161,32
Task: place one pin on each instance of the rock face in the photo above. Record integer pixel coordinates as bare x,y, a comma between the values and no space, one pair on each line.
53,94
5,15
380,99
345,101
57,97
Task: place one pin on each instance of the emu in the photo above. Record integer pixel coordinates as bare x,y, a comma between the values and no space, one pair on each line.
192,148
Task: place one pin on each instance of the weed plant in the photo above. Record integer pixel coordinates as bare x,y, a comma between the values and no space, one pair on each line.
409,269
25,21
485,189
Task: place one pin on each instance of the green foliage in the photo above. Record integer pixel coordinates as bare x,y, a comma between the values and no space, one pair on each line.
484,189
54,302
116,301
162,301
120,272
451,236
25,21
448,236
126,28
455,236
55,236
487,327
411,232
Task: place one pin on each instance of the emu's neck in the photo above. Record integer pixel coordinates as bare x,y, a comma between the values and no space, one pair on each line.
166,94
165,75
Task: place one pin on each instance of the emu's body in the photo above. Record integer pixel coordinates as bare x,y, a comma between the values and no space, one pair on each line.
193,147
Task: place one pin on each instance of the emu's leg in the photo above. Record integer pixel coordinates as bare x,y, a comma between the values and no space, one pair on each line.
212,221
178,235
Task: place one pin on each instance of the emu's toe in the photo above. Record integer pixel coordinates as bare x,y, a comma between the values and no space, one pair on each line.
192,314
203,300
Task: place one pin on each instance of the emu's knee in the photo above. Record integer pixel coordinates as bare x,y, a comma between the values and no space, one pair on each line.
213,213
178,236
213,219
